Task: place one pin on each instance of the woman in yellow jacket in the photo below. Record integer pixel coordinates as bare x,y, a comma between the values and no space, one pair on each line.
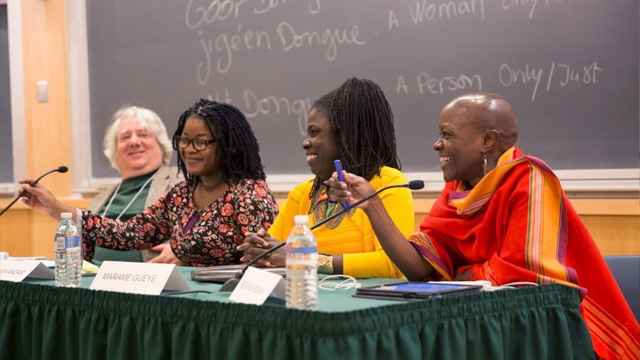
358,110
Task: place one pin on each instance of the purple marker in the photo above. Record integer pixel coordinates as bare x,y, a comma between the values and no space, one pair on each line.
338,166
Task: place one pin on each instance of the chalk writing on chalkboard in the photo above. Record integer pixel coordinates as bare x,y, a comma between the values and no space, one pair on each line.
564,64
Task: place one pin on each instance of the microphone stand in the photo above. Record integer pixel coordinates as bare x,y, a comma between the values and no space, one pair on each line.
231,284
61,169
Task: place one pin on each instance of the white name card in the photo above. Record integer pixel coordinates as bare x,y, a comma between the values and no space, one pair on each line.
17,271
256,285
138,278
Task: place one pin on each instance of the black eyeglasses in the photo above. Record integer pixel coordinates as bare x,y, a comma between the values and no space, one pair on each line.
198,144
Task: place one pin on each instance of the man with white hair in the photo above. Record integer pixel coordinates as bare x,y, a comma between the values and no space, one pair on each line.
137,145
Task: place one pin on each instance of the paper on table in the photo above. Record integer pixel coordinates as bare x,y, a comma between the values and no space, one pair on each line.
89,268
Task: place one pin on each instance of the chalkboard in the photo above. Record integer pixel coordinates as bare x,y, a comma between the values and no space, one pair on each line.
6,150
570,68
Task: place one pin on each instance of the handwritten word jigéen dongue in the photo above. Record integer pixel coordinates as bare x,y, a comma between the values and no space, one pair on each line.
225,44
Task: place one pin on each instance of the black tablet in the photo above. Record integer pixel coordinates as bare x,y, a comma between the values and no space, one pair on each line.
415,290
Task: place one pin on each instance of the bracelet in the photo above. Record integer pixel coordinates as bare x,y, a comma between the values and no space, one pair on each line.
325,264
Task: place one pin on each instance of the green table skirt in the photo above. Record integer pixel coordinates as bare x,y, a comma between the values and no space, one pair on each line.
44,322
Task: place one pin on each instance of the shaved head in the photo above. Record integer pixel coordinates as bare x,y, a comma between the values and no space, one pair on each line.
487,112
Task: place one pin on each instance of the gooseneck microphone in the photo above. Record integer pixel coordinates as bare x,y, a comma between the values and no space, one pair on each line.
231,284
61,169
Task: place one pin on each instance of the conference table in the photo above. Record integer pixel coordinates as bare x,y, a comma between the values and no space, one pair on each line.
41,321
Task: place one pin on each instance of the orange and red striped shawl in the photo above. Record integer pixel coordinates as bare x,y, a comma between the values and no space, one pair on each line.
517,225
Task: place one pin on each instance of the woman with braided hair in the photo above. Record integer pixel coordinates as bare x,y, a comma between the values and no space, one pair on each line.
354,124
205,217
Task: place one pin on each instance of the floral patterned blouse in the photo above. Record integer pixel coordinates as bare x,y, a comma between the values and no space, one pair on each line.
199,237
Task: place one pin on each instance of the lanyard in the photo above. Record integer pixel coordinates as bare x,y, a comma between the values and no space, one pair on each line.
130,202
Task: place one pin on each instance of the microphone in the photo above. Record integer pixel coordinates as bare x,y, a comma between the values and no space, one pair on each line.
231,284
61,169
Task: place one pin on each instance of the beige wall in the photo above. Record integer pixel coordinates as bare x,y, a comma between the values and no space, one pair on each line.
614,223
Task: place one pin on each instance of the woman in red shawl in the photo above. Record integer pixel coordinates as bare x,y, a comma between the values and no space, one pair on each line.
502,217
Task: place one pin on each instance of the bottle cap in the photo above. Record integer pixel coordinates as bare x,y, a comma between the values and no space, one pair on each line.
66,216
301,219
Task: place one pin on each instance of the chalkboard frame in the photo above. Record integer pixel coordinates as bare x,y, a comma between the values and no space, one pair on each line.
578,180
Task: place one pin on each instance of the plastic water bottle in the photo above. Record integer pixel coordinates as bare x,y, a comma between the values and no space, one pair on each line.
302,266
68,253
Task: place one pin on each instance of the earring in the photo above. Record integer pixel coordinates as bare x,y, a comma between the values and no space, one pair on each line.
484,159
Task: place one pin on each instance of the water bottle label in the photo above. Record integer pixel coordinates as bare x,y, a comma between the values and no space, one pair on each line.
73,241
60,243
302,250
67,242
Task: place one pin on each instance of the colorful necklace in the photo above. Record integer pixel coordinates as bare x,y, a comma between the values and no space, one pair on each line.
322,208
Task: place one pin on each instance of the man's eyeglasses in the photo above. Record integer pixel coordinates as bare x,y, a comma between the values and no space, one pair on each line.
198,144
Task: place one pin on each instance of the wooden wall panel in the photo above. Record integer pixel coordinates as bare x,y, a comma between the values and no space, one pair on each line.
42,229
15,233
24,232
48,136
615,234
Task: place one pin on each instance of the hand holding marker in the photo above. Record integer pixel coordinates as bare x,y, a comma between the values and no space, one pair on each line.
338,166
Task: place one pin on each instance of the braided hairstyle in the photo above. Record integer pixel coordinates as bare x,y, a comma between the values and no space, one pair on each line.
237,146
361,123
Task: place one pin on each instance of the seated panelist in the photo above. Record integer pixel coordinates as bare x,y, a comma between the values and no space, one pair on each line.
205,217
137,145
354,124
502,217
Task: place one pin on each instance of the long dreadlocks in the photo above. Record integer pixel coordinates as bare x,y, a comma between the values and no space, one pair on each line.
361,123
237,147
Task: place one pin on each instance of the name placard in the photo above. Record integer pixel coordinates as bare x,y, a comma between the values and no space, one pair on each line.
138,278
256,285
17,271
